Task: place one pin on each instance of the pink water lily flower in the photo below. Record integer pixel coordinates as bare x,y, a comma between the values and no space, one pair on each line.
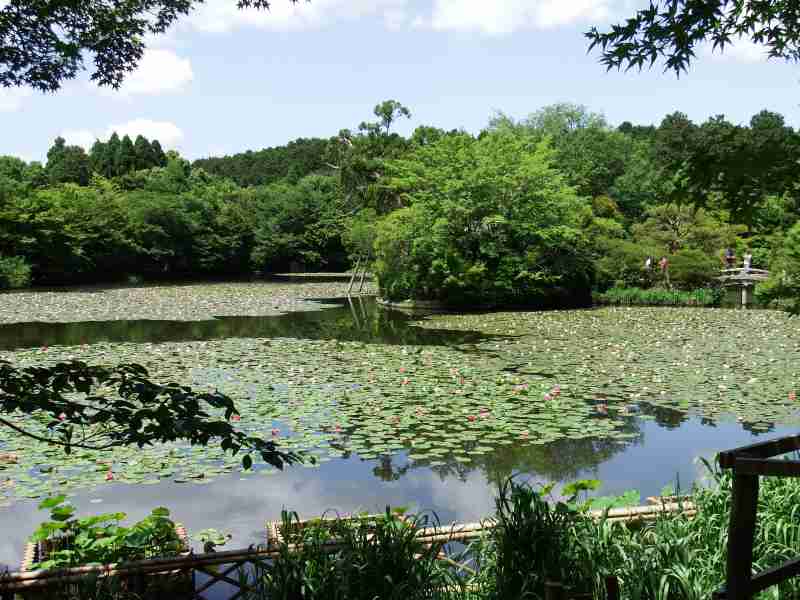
471,418
547,397
405,381
276,432
236,418
62,416
792,396
110,475
556,390
402,369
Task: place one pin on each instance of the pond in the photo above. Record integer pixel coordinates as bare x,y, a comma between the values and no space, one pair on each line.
430,412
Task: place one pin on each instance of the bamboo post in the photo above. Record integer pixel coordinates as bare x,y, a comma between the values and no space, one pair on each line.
363,275
744,502
353,312
353,276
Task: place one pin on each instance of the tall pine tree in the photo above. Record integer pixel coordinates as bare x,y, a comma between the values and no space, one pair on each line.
99,160
125,159
159,158
143,153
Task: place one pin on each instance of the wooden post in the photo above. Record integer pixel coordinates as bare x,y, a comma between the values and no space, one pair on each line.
554,590
612,588
744,503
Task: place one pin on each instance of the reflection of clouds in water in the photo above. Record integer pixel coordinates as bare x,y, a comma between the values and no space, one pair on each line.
242,507
455,500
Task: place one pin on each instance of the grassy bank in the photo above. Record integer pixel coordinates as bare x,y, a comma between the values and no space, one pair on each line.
659,297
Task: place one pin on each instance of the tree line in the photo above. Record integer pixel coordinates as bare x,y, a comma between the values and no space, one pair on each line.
552,205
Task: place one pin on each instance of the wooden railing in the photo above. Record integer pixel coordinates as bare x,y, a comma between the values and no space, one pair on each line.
749,463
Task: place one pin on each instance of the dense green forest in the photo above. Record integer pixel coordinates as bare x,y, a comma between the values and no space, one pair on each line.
541,210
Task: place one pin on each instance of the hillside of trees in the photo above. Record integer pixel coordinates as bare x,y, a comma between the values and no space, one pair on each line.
534,210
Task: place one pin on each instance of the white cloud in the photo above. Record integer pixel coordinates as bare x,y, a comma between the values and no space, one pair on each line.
79,137
165,132
160,71
498,18
740,51
12,99
223,15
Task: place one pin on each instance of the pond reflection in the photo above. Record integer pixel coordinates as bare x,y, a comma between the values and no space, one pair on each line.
358,319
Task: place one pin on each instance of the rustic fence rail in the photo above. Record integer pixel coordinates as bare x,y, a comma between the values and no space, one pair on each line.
748,464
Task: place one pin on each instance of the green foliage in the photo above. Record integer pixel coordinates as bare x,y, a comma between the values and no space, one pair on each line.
67,164
379,557
587,151
784,282
100,539
691,268
671,31
15,272
171,221
622,263
110,36
487,221
297,223
292,162
660,297
673,227
73,399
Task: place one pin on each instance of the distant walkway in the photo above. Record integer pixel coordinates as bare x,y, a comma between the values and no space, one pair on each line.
740,275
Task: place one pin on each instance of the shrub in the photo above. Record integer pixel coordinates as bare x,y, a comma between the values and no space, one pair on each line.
621,264
661,297
15,272
691,269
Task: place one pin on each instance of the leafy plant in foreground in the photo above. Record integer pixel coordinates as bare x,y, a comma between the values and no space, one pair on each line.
100,539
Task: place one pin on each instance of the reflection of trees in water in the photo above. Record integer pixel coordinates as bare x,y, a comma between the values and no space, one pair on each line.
669,418
562,460
758,428
361,321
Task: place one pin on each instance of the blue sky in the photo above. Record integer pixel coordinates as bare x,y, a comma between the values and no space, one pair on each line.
224,80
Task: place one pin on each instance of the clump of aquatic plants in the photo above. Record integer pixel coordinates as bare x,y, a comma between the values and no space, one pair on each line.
660,297
67,541
354,558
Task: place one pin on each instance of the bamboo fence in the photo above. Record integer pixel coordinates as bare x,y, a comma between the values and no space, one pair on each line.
24,582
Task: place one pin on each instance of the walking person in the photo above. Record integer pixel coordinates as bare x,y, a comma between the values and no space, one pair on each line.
664,266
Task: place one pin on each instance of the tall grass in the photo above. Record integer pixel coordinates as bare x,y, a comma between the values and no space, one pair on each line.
660,297
355,559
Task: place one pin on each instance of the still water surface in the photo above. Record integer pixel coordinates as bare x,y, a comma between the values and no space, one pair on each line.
667,448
